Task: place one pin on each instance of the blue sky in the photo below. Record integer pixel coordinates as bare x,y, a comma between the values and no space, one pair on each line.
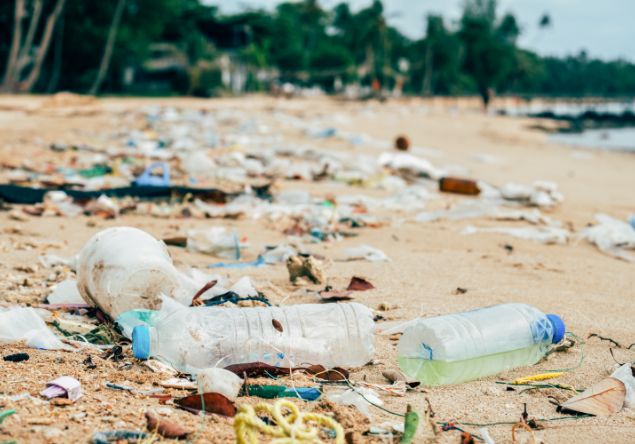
604,28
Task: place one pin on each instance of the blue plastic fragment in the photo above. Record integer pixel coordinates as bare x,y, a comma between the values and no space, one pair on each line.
147,179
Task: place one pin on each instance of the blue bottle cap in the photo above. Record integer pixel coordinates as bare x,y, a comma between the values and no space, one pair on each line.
558,328
141,341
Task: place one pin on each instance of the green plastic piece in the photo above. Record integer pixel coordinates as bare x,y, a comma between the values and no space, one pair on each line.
411,424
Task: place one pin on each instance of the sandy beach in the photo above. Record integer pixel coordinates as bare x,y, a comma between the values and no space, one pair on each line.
593,292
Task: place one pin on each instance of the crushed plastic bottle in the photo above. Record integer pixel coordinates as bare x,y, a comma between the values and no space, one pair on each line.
193,339
466,346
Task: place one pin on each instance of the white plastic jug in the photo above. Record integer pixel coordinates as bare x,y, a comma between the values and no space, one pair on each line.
124,268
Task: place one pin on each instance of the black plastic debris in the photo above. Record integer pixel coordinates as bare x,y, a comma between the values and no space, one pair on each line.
18,357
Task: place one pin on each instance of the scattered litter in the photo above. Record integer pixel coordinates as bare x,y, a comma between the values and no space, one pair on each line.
486,438
66,292
487,158
366,252
239,265
291,428
17,357
322,339
402,143
360,398
218,380
277,391
625,374
63,386
110,436
159,367
390,328
397,375
26,324
547,235
434,351
540,193
459,186
255,369
411,424
336,295
177,383
612,236
216,242
51,260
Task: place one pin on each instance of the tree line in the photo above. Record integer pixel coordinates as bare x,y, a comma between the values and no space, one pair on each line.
75,45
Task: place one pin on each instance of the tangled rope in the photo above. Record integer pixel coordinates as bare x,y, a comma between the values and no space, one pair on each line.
290,428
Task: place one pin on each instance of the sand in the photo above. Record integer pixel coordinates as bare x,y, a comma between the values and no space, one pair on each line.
592,292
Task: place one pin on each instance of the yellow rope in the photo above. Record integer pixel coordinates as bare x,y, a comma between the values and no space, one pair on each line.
540,377
290,428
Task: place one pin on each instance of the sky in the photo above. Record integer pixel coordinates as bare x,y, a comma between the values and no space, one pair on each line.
605,29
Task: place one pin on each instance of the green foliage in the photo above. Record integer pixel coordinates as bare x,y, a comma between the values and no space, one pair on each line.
309,44
490,49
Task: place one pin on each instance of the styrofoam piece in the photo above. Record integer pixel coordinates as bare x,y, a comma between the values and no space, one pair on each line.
221,381
66,292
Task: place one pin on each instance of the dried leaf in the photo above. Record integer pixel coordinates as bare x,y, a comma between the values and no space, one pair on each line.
206,287
214,403
277,325
603,398
164,427
359,284
335,295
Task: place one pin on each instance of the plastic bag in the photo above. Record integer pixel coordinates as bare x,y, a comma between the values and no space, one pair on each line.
66,292
215,242
26,324
368,253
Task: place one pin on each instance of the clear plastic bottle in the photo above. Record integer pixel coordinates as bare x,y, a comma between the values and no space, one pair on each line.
466,346
197,338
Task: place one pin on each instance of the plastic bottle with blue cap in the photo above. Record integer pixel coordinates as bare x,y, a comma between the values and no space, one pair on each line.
474,344
196,338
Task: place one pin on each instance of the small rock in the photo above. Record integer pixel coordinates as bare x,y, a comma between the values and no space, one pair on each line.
304,266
